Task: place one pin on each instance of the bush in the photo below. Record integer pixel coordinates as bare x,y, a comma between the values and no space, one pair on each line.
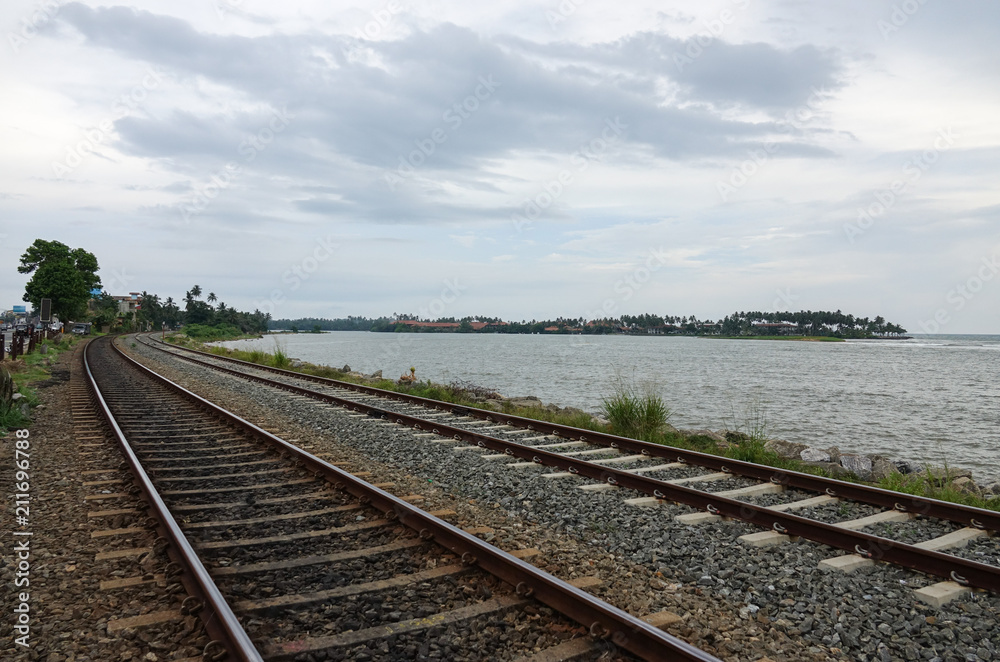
635,411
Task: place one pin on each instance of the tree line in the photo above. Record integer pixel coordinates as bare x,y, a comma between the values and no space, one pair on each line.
745,323
68,277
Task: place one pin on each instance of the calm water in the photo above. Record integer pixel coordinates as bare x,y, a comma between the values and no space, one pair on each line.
931,399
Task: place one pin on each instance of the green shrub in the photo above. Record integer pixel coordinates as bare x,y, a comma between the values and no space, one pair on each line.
635,411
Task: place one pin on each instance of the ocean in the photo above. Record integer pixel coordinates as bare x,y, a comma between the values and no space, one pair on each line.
933,399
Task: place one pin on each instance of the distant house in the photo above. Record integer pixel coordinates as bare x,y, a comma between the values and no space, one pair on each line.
776,329
129,305
448,326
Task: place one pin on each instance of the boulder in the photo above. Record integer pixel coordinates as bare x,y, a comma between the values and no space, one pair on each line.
908,466
834,453
346,368
859,465
735,437
814,455
785,448
993,489
882,467
377,374
966,484
528,401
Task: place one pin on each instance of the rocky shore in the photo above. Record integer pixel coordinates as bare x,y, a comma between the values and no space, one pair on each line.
834,461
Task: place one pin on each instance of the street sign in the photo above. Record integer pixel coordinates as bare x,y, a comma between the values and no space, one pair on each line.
45,311
20,309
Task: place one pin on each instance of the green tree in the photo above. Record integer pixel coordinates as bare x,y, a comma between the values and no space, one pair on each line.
64,275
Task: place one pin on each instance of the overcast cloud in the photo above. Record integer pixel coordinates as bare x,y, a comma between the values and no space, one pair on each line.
759,154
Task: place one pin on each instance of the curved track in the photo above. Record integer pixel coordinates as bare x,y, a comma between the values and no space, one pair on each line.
287,556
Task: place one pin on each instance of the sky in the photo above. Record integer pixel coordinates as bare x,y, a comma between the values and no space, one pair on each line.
527,160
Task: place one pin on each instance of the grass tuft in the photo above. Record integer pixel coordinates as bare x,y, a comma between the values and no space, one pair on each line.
635,411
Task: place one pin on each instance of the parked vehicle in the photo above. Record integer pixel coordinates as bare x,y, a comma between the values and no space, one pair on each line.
81,329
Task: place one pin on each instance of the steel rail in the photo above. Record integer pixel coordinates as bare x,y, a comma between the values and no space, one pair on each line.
603,619
967,515
218,617
873,547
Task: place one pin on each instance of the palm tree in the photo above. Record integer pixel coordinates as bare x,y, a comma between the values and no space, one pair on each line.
212,298
196,291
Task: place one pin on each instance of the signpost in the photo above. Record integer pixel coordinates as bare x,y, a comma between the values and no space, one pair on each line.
20,309
45,311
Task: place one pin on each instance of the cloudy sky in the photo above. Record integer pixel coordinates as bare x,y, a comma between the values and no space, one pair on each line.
522,159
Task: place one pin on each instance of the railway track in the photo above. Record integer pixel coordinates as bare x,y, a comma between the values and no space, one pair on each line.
760,495
286,556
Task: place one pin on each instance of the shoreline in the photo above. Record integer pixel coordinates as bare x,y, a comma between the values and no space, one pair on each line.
898,474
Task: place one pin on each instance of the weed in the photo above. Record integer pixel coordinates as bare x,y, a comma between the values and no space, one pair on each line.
635,411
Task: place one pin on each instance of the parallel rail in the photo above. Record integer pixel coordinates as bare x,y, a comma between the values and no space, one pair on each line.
603,619
939,564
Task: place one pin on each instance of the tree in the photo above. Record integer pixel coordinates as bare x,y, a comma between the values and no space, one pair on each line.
64,275
211,297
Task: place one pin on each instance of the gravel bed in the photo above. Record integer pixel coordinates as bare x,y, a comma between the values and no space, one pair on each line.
502,637
370,609
279,528
981,550
69,611
831,513
202,498
332,575
734,598
209,514
322,545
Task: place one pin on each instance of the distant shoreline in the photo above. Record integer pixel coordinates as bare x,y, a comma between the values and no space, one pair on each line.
793,338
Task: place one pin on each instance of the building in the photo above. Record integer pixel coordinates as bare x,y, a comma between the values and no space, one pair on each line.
776,329
129,305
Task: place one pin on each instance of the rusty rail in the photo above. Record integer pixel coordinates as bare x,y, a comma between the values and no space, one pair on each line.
219,619
623,629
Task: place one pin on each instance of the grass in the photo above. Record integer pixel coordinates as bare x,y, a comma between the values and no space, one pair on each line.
635,411
214,333
928,485
25,371
800,338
